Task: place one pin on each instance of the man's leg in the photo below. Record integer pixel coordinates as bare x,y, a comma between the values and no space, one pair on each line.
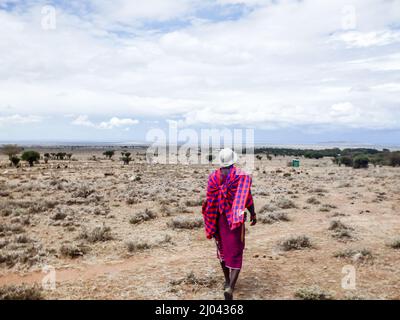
234,277
226,274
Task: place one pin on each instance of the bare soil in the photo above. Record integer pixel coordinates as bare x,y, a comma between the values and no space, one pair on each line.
87,206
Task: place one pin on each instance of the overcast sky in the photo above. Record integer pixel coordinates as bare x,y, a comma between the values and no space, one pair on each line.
296,71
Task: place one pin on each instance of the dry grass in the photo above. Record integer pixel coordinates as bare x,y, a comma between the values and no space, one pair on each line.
98,234
394,244
138,245
274,217
355,255
45,210
143,216
295,243
186,222
144,244
207,280
313,200
22,292
284,203
340,230
73,250
313,293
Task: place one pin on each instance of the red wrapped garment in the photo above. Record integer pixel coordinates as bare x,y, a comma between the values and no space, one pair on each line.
223,213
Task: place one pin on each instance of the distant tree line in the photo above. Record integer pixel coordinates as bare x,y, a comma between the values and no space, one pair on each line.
356,158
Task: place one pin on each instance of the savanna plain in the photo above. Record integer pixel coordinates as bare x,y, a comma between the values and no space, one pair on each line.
109,230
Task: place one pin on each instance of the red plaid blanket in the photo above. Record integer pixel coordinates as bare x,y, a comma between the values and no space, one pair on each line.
230,198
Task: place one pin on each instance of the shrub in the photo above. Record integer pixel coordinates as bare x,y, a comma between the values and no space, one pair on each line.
22,292
83,191
395,244
273,217
360,161
327,207
143,216
186,222
132,198
72,251
319,190
313,200
59,215
268,208
11,150
140,244
346,160
137,245
109,153
15,161
313,293
165,210
394,159
337,225
343,234
126,158
61,155
98,234
193,203
285,203
31,157
313,155
295,243
357,255
340,230
209,280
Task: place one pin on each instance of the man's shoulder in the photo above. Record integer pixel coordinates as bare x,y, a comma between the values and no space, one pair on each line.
213,174
242,173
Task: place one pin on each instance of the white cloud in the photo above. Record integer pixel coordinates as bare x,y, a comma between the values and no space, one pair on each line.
128,10
358,39
114,122
83,121
277,66
19,119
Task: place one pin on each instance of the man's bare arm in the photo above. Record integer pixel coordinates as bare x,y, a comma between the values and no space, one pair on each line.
253,217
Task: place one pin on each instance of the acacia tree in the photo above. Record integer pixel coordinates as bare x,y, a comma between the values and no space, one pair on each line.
109,153
31,157
11,150
15,161
126,158
395,159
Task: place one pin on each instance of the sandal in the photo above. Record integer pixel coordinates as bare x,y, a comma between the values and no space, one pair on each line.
228,293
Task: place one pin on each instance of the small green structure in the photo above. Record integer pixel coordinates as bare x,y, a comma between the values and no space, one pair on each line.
296,163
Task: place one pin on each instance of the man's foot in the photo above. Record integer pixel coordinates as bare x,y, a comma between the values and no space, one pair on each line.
228,293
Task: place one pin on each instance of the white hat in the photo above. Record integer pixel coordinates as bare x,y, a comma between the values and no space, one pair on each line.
227,157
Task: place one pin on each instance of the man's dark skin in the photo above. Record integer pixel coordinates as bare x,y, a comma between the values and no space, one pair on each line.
232,275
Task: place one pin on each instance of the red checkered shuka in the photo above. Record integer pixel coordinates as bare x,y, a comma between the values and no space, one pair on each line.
230,198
